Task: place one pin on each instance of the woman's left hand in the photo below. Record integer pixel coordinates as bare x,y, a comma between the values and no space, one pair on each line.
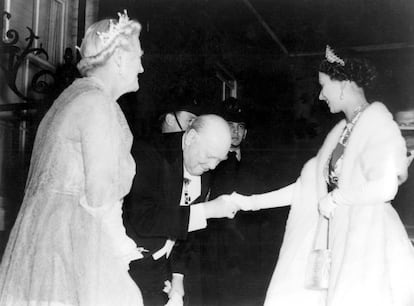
327,206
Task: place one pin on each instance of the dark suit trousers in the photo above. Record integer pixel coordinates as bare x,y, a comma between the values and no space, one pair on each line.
150,275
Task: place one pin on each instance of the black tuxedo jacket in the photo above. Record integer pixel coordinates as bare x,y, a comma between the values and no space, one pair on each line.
152,211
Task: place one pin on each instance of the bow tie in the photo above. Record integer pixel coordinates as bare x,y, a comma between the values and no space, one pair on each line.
232,155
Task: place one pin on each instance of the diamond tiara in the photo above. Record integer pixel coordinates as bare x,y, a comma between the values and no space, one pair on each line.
114,29
331,57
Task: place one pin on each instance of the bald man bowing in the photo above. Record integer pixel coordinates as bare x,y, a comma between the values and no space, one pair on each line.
167,202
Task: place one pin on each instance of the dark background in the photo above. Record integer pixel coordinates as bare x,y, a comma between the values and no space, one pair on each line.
271,47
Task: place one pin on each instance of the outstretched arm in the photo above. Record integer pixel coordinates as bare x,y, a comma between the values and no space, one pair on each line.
276,198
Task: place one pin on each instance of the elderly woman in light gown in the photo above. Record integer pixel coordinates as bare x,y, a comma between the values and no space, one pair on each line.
350,182
68,245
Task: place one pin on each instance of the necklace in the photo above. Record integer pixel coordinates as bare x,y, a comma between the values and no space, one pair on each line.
343,140
358,110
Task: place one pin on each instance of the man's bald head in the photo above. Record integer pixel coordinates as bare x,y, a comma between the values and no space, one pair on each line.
206,143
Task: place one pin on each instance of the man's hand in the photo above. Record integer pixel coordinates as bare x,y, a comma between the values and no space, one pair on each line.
245,203
175,290
177,285
175,300
221,207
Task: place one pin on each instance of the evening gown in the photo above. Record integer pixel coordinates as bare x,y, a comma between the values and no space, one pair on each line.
372,257
68,246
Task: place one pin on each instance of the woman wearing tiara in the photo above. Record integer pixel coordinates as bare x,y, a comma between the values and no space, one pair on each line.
348,185
68,245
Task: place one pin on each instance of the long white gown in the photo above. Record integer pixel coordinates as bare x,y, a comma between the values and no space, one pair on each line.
372,257
68,246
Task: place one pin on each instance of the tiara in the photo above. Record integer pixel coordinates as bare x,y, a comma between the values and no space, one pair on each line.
331,57
114,29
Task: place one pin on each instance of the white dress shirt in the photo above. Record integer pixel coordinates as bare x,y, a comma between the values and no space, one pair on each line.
197,215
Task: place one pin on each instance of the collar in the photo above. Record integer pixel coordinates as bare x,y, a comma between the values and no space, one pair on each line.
190,176
237,151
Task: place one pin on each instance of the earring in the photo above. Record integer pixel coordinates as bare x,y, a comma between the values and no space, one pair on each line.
341,96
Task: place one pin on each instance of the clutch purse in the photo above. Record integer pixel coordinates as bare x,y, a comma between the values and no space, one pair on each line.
318,265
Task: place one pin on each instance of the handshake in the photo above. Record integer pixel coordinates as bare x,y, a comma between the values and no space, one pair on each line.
226,206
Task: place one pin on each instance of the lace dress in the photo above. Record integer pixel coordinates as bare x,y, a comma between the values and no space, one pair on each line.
68,245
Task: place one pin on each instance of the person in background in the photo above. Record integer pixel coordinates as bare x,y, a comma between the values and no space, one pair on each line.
166,205
342,201
403,202
180,113
67,72
68,245
405,120
227,243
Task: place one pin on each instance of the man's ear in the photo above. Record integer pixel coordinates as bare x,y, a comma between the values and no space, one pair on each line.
190,137
170,119
245,134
